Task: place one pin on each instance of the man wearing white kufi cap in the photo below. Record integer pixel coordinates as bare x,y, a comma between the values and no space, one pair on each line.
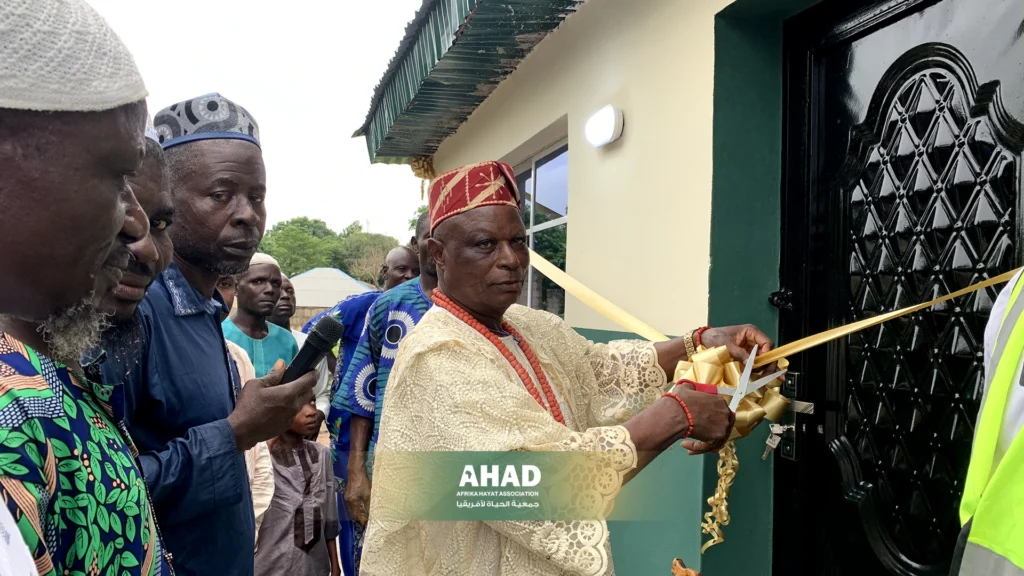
72,117
259,289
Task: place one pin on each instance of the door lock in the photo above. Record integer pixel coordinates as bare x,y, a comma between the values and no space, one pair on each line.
783,299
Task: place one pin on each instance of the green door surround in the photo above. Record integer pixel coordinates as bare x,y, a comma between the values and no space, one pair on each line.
745,241
745,244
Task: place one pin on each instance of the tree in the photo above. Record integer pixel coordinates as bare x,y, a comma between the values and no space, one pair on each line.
296,250
416,217
353,228
314,227
366,267
358,247
301,244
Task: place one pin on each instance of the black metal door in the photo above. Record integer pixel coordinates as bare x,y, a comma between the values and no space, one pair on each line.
902,175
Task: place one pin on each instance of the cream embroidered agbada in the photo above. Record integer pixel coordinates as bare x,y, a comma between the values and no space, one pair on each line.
451,390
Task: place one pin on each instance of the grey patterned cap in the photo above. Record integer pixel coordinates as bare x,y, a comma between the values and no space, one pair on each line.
209,117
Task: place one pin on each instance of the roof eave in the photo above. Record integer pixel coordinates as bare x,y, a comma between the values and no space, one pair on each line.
454,54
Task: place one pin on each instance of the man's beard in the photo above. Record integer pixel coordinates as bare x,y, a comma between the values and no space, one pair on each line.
75,330
122,343
222,268
204,256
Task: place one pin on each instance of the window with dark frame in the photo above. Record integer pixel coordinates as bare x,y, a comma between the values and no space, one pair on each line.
543,182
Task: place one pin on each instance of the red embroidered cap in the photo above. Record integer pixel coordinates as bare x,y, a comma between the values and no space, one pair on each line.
485,184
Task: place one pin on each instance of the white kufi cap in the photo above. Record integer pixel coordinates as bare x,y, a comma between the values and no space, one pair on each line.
261,258
60,55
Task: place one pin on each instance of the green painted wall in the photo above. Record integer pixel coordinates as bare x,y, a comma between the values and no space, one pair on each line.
745,241
745,244
667,492
745,254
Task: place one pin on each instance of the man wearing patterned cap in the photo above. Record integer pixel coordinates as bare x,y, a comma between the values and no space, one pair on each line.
72,114
185,405
258,291
481,373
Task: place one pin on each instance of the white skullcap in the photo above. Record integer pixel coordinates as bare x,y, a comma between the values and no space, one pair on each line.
261,258
60,55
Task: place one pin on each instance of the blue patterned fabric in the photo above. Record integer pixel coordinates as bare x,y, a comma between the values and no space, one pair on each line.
351,312
393,315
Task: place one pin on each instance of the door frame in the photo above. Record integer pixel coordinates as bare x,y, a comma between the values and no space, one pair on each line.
831,22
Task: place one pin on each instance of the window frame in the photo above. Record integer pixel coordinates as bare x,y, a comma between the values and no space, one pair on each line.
530,164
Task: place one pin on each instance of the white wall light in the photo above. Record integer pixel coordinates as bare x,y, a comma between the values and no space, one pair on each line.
604,127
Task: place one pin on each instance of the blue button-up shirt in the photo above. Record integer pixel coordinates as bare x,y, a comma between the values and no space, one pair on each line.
177,399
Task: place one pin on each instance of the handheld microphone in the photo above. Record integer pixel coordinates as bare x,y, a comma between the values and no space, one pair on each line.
321,340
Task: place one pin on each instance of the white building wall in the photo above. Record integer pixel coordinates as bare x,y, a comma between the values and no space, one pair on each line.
639,209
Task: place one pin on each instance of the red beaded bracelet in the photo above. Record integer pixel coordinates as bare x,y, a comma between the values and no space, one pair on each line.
696,337
689,417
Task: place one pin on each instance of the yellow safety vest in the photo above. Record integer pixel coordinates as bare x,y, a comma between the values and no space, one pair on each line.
993,499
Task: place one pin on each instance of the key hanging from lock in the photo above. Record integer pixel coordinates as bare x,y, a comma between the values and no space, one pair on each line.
775,437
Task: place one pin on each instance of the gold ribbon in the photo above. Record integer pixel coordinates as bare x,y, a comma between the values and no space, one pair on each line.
595,301
716,366
835,333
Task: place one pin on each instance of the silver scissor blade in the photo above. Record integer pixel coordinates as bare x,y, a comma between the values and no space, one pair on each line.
741,386
762,382
753,386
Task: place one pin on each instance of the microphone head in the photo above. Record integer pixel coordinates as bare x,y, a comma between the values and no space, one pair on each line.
326,333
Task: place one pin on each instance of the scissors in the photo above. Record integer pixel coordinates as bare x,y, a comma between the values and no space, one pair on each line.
744,386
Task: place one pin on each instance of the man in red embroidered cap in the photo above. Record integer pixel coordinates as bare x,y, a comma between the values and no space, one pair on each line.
481,373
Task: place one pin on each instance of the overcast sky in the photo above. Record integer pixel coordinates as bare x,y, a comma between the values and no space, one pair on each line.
305,69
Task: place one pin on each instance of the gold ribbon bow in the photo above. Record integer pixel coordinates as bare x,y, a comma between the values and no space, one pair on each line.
715,366
755,407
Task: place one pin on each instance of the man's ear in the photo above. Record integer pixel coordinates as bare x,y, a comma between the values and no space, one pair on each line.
436,249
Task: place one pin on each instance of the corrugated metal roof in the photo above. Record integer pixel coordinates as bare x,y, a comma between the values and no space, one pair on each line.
454,54
325,287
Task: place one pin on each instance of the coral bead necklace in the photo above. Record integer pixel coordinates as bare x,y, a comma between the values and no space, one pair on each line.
448,304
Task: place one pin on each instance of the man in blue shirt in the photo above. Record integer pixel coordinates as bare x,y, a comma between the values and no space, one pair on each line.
183,401
359,389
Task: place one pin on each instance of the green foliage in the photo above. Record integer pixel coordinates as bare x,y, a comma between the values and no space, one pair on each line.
362,254
298,250
353,228
313,227
550,243
301,244
415,217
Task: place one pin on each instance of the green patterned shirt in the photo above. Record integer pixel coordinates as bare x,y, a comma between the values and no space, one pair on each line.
68,473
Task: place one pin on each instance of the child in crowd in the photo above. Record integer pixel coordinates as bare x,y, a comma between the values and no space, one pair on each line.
299,531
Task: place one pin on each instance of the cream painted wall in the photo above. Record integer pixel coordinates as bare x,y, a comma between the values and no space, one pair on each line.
639,219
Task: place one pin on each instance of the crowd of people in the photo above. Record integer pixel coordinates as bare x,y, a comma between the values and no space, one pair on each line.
145,426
